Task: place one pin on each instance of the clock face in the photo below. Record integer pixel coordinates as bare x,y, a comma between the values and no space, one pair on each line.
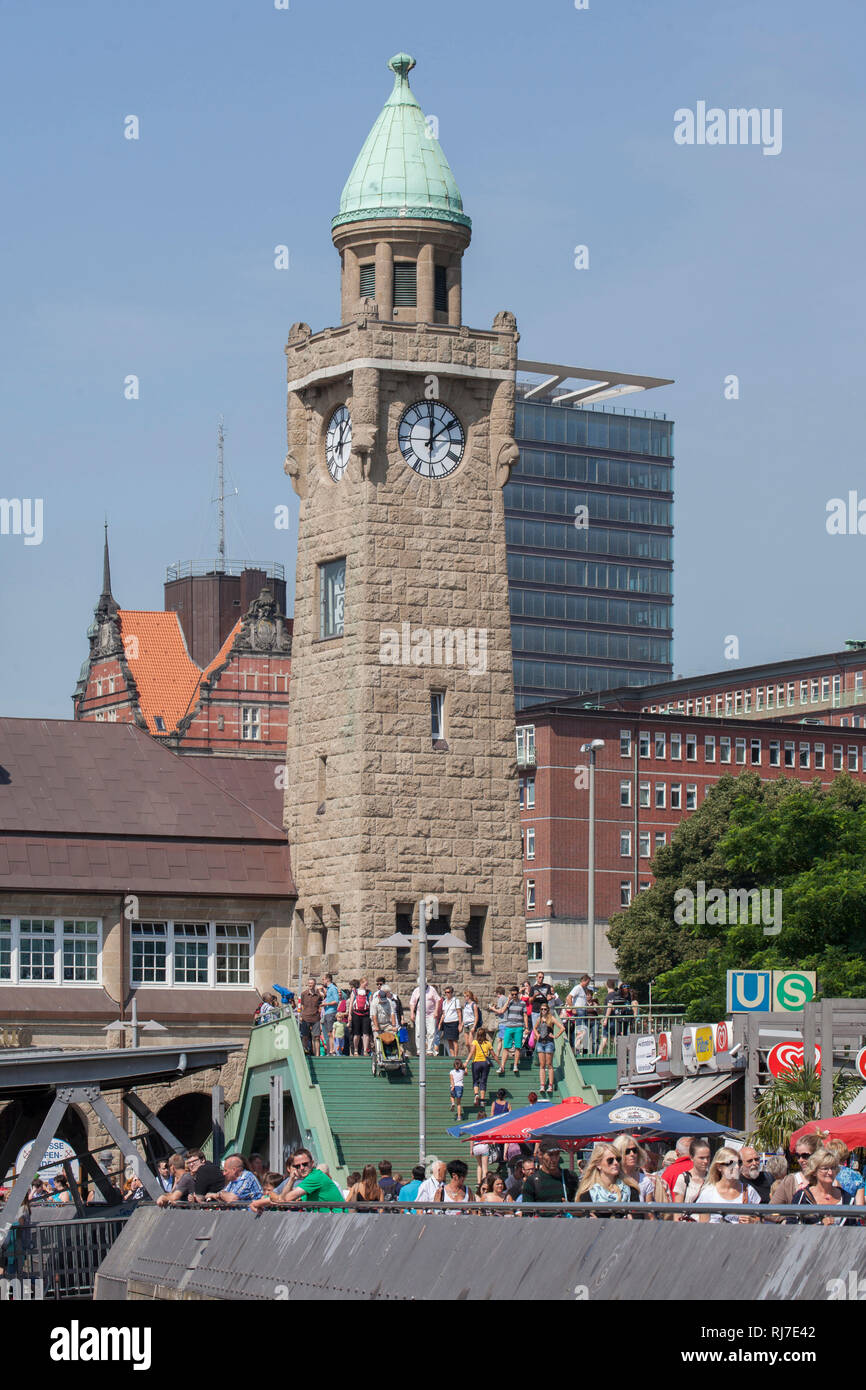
431,439
338,442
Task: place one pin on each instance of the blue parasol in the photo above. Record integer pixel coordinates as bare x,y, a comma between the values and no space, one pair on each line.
629,1114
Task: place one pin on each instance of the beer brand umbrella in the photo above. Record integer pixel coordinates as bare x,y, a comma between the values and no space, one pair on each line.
515,1129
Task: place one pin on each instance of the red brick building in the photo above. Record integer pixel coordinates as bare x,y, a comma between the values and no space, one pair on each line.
208,675
653,769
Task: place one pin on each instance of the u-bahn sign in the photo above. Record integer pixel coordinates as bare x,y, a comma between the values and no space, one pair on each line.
769,991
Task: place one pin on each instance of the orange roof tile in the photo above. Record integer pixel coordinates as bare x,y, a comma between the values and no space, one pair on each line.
164,671
222,654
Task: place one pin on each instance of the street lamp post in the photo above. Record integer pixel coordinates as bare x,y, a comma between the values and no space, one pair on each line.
447,942
591,748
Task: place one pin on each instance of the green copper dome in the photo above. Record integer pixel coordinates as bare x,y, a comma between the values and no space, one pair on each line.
401,170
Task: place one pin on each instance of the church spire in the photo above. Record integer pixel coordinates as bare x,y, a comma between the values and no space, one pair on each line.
106,566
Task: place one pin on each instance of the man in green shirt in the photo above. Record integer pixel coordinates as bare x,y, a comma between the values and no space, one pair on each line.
311,1184
550,1183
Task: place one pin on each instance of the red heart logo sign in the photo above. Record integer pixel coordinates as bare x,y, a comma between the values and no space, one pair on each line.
788,1056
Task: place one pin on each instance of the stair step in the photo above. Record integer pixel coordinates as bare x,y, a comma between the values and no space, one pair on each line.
376,1117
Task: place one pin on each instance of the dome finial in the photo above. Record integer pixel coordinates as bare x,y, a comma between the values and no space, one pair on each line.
402,64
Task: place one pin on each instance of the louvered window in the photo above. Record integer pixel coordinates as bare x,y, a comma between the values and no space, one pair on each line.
368,281
440,289
404,283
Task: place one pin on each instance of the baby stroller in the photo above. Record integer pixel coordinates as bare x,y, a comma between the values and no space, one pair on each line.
388,1053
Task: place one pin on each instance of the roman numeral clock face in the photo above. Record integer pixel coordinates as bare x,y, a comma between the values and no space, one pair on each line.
431,439
338,442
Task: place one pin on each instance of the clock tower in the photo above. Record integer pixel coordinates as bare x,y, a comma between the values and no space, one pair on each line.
401,768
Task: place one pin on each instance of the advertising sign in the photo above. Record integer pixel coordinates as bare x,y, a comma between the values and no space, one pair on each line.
57,1150
663,1054
860,1062
723,1037
704,1040
644,1054
788,1056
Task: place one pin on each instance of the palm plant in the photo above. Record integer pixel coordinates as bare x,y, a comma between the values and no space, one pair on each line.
794,1098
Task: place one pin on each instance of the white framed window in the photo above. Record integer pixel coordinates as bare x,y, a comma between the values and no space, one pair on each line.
805,751
755,752
50,950
724,749
790,693
191,954
691,796
526,745
521,790
676,796
644,844
251,723
98,686
661,796
813,692
530,895
789,752
689,706
838,752
659,745
530,793
774,752
530,842
660,838
852,757
625,892
644,795
676,747
740,750
643,744
728,708
858,682
709,748
747,705
536,950
804,692
771,697
332,598
759,698
825,688
819,755
691,748
625,792
738,702
625,844
837,691
625,743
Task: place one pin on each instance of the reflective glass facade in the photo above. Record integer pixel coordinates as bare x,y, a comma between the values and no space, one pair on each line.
589,530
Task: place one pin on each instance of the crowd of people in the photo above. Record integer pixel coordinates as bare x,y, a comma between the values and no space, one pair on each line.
625,1170
518,1019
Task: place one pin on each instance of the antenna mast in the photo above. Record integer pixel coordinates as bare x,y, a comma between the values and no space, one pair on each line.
221,540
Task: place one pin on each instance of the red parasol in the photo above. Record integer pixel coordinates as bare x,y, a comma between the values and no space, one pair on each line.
516,1131
851,1128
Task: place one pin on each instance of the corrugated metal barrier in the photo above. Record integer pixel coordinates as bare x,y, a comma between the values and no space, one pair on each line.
292,1255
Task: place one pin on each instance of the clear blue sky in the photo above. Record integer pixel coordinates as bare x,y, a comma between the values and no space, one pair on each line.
155,257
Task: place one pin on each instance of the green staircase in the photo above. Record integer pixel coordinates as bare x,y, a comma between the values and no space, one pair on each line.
375,1117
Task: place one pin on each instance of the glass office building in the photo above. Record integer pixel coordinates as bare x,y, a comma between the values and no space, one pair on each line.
589,530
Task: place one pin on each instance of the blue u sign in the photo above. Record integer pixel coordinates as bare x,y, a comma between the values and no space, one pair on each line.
750,991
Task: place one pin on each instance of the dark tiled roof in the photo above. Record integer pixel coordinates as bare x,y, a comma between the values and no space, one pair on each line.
103,808
251,780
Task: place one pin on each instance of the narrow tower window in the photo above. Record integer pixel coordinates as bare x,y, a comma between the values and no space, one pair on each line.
405,291
368,281
440,289
332,595
437,716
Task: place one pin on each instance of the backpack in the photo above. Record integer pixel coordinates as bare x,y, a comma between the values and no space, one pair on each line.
480,1023
362,1009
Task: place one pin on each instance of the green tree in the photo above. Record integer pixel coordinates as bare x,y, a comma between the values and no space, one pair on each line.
792,1100
806,842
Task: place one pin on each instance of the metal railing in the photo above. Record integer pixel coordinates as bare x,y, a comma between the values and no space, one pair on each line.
197,569
599,1038
59,1259
770,1214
